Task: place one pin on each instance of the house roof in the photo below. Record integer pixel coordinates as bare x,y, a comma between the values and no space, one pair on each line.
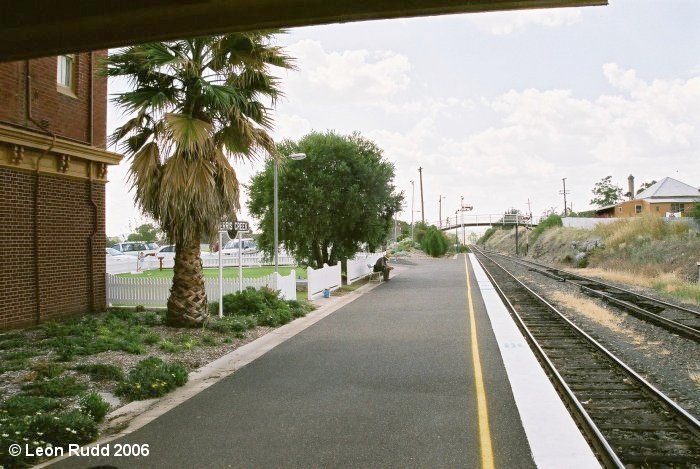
668,188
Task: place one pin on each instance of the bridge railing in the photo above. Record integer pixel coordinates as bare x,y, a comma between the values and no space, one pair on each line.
489,219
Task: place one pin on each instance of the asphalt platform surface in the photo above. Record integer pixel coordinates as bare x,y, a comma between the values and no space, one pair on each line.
385,381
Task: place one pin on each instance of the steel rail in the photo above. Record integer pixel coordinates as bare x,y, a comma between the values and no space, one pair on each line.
583,417
691,332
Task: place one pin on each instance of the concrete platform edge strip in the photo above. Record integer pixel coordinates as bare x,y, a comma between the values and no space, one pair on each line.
137,414
554,438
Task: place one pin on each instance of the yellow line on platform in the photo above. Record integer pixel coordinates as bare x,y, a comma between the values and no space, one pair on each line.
487,461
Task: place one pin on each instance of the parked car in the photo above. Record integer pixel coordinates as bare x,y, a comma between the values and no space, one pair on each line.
166,252
248,244
133,248
114,254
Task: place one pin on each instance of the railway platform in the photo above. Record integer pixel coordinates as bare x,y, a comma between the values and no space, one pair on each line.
426,370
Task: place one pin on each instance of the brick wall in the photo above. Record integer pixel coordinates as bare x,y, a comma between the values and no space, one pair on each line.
71,280
67,116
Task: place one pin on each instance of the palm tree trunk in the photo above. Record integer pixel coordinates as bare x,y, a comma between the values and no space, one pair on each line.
187,305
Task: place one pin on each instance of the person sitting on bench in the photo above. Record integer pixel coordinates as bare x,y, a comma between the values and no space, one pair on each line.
382,266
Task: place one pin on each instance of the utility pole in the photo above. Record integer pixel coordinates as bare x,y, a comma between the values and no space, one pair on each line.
422,207
440,211
564,192
413,211
456,234
516,234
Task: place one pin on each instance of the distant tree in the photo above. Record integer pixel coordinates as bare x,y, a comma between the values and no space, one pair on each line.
695,213
112,240
146,232
645,185
419,231
606,193
435,243
338,198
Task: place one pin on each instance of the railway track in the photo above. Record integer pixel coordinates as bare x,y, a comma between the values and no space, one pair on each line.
674,318
627,420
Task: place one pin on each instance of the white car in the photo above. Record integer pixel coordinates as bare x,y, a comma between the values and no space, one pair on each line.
133,248
166,252
248,244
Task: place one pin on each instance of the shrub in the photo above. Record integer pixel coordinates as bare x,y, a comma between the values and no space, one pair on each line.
64,428
152,377
695,213
102,372
209,340
47,370
21,404
434,242
485,237
65,386
551,221
169,347
8,344
93,405
233,324
300,308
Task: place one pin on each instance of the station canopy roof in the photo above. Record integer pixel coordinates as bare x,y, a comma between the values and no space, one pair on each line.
36,28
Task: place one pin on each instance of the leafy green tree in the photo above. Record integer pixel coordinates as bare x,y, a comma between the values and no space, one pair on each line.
112,240
606,193
645,185
195,103
695,213
338,198
146,232
419,231
434,242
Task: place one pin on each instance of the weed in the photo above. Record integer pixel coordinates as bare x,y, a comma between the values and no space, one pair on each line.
152,377
94,406
47,370
151,338
20,354
102,372
169,347
209,340
8,344
21,404
14,365
66,386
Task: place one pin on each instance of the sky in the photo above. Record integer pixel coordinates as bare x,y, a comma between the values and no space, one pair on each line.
495,107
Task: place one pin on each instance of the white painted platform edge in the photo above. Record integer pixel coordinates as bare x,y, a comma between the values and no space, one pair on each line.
554,438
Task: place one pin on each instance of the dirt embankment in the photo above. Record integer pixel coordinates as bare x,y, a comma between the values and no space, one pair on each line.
644,251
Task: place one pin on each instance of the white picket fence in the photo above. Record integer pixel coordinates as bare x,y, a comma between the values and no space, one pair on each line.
361,265
212,260
131,291
326,278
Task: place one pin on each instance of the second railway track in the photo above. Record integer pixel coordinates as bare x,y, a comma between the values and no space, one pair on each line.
677,319
628,421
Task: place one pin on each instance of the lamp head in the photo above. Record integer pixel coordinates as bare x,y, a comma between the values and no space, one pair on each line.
297,156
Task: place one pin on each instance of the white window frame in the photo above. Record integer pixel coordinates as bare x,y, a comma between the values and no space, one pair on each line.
66,74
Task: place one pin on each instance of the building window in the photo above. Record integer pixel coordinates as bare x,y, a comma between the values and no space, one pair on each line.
637,209
657,208
619,209
65,73
677,208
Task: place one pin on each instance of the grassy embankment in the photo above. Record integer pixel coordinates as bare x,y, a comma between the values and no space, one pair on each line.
643,251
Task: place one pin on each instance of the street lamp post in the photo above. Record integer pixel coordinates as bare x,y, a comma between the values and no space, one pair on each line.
440,210
296,157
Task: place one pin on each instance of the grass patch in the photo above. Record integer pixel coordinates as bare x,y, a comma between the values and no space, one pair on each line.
101,372
66,386
93,405
21,404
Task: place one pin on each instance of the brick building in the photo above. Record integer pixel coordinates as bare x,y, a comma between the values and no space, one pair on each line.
53,170
666,198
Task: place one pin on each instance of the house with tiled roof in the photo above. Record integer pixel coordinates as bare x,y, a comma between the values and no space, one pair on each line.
667,198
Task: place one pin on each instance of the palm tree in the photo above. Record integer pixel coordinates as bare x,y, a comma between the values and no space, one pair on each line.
194,103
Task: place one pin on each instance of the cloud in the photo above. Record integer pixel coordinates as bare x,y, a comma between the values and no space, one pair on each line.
509,22
359,74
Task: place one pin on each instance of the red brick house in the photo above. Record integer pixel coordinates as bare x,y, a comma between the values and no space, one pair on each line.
53,170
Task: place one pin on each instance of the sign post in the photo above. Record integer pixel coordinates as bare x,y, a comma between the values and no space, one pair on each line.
240,227
224,227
